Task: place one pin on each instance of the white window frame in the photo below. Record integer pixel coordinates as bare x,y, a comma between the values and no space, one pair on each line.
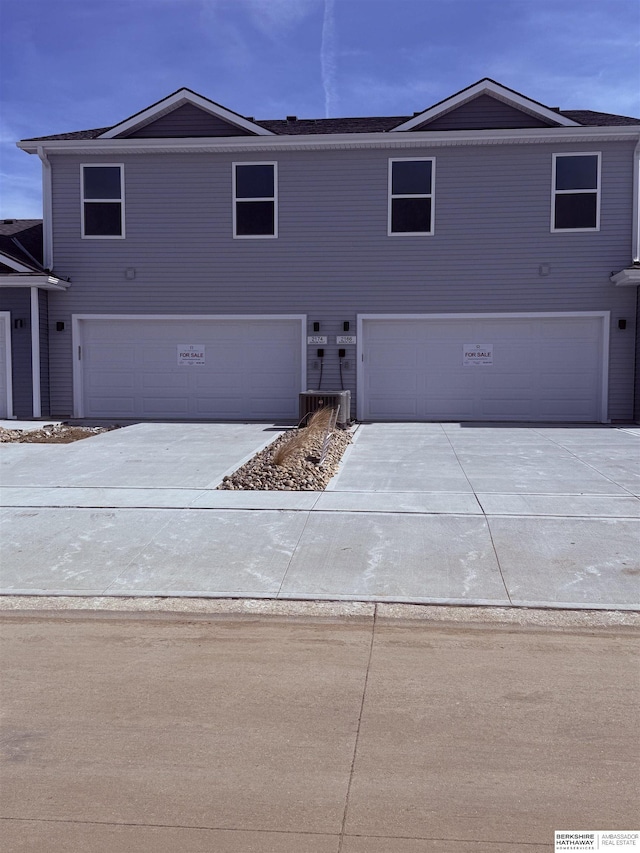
555,192
84,201
431,195
273,198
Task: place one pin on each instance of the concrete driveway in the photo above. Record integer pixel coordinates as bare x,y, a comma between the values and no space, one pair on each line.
423,513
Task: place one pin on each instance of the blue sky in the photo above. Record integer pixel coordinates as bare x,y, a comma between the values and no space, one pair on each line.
77,64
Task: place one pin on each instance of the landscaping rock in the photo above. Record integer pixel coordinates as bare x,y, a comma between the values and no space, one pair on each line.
298,470
50,434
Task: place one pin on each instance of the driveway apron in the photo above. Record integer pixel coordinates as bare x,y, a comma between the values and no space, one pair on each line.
424,513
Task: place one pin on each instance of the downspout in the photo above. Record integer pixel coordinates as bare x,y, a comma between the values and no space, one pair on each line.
635,256
47,211
47,263
35,351
635,249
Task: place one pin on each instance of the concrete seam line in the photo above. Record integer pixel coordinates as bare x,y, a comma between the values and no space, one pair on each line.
484,515
357,738
293,552
582,462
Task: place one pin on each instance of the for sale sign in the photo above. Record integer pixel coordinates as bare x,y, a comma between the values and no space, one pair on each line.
190,355
476,355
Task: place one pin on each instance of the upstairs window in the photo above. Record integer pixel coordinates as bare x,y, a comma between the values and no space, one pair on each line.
102,201
255,212
411,196
576,192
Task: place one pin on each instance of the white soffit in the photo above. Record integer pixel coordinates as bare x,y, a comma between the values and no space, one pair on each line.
178,99
487,87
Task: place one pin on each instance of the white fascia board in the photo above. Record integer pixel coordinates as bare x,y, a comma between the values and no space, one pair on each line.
345,141
184,96
8,261
487,87
44,282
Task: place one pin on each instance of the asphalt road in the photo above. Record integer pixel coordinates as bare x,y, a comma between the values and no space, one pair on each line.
193,733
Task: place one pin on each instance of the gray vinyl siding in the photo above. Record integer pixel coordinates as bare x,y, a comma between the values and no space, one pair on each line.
483,113
184,121
17,300
333,259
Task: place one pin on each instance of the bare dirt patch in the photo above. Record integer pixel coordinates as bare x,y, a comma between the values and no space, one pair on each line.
50,434
291,462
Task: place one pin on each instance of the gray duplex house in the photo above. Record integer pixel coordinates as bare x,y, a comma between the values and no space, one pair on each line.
478,260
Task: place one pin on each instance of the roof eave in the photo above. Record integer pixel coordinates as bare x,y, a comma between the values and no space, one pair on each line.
44,281
416,139
627,277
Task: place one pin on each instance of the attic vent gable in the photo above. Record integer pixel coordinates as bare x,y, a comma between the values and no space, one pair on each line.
198,120
489,89
484,112
185,121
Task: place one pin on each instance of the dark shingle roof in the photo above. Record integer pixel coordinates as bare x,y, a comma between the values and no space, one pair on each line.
360,124
77,134
589,118
28,234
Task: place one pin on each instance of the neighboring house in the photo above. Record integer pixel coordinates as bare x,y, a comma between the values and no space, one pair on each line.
24,324
478,260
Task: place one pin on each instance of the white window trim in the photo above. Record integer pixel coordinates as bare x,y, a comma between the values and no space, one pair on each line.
120,166
273,198
555,192
431,195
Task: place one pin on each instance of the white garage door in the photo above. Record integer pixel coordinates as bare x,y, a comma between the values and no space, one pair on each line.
219,368
5,364
502,368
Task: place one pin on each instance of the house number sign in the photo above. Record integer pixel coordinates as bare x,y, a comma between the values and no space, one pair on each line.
190,355
317,339
477,355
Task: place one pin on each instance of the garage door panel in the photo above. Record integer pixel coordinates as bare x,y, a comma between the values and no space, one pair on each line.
553,409
507,409
115,356
107,404
160,407
251,368
216,407
577,329
99,383
402,383
166,381
393,356
448,409
385,408
541,368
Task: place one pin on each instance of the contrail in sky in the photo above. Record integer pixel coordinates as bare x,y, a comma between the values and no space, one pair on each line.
328,56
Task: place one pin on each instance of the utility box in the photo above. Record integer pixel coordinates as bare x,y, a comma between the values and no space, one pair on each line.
311,401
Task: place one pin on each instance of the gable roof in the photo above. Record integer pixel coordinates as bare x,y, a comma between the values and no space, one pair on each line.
178,99
21,243
21,256
358,124
495,90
